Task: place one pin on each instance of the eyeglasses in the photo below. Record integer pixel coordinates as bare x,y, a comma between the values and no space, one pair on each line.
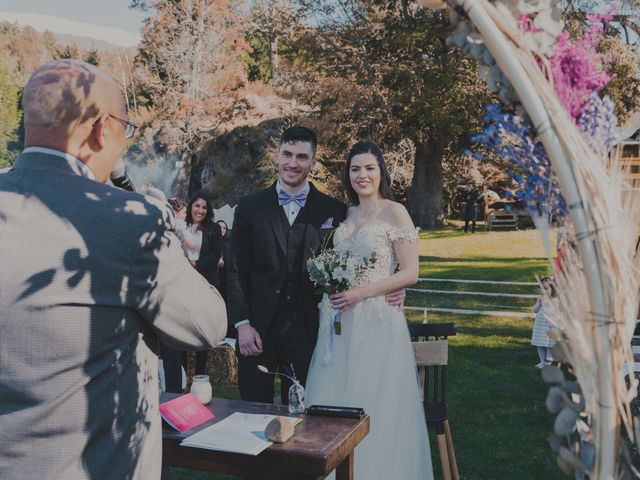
129,128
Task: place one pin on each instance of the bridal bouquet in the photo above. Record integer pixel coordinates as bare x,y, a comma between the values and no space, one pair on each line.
335,272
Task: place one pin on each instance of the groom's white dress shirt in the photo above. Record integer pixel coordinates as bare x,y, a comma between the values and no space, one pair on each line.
292,209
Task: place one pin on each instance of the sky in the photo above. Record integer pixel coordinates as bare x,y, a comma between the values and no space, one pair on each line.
108,13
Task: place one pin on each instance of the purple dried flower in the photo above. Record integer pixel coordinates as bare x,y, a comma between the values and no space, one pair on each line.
598,121
512,140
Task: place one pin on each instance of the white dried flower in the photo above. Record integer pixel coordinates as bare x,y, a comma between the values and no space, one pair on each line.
549,21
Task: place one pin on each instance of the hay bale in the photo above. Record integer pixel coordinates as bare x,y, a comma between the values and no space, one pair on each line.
190,367
222,365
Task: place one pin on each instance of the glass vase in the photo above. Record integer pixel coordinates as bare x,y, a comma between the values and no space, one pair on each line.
296,398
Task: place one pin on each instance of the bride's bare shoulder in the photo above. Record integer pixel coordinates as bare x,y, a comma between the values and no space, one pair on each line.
396,214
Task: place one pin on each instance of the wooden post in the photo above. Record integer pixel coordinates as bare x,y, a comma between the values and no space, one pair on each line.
485,191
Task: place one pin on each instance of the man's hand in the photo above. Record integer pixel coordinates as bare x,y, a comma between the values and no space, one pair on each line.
396,299
220,263
249,341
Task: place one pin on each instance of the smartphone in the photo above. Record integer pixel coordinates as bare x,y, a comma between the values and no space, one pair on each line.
334,411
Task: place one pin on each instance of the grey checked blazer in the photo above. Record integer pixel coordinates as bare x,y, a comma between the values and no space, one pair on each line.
89,275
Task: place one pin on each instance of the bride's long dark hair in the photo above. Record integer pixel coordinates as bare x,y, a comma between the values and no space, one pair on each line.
385,179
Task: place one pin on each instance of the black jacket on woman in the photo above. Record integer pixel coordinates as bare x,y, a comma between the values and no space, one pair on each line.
210,252
222,272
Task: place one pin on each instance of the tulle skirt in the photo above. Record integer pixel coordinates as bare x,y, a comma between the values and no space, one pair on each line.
373,366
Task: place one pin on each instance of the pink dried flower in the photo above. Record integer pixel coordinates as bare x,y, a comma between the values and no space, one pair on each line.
526,24
603,18
578,69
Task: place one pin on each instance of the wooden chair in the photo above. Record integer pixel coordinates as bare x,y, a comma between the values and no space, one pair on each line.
430,346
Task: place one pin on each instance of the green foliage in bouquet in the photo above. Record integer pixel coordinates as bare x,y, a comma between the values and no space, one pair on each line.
333,271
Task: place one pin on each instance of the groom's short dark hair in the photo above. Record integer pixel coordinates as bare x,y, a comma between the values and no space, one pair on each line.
300,134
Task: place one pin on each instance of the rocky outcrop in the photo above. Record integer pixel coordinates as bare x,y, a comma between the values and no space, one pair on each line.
238,162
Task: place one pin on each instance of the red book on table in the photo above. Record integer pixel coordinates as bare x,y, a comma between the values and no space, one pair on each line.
185,412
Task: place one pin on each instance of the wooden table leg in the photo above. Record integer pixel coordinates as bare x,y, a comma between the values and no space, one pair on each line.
345,469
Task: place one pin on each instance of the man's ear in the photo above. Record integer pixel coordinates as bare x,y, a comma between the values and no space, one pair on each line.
99,131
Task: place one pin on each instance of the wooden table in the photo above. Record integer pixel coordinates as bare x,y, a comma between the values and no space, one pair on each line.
319,445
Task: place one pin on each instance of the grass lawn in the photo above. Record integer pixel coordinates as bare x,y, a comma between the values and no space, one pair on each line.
496,397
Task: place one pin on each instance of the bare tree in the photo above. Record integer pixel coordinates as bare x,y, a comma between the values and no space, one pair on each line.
400,162
190,70
273,21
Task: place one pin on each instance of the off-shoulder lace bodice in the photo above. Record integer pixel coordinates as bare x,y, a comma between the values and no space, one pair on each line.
376,238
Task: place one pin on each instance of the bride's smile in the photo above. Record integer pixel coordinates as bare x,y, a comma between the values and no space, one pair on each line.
364,174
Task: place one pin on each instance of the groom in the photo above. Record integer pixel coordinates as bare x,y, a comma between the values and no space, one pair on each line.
271,299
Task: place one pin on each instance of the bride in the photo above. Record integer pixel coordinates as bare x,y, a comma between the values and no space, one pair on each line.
371,362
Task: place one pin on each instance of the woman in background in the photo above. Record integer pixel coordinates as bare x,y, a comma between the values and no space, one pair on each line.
202,244
201,238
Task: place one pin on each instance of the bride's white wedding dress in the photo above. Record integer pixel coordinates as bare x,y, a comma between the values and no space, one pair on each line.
373,366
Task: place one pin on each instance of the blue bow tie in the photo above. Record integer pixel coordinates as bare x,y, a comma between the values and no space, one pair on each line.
285,197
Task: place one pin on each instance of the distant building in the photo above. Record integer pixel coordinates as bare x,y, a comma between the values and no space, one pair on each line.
629,144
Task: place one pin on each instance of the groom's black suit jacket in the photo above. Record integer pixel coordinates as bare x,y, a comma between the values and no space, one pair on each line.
262,246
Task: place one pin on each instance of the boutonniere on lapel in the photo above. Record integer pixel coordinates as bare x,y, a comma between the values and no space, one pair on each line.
328,223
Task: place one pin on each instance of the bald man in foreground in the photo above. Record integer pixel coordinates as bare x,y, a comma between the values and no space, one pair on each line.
91,275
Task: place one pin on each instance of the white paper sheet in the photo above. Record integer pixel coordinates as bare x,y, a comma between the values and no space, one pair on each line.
239,433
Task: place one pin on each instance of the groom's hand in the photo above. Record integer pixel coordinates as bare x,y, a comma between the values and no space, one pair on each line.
249,341
396,299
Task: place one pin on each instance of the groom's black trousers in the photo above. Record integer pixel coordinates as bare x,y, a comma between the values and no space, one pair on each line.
287,342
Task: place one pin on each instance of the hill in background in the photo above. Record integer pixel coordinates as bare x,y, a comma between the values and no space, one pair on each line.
84,35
